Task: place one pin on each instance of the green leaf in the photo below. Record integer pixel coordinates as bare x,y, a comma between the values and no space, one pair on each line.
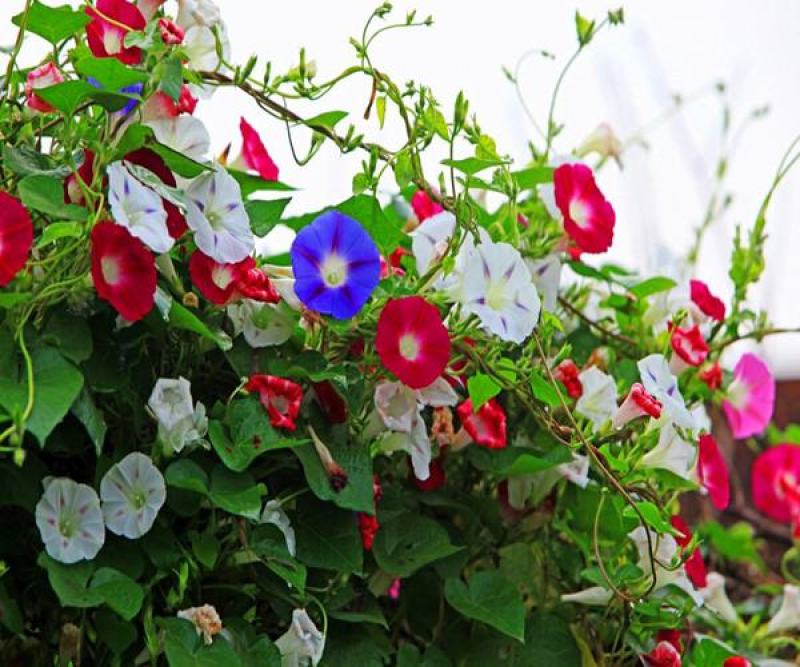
86,412
46,194
70,582
269,544
59,230
250,183
185,648
57,384
328,120
178,162
367,210
25,161
710,652
171,77
70,334
250,435
67,96
652,286
10,615
117,634
481,389
651,514
549,641
205,548
736,543
543,390
584,28
264,215
529,464
327,537
119,591
53,23
527,179
490,598
472,165
187,475
356,462
182,318
11,299
409,542
369,611
236,493
109,72
380,109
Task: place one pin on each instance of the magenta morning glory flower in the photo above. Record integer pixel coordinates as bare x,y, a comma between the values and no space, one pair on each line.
336,265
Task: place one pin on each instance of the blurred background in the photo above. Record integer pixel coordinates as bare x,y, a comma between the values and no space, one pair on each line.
628,77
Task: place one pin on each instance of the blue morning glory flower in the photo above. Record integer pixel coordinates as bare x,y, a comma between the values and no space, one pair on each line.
336,265
133,89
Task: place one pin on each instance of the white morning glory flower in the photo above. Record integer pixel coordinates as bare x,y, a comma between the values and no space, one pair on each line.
415,442
197,12
546,274
576,471
661,383
273,513
215,212
498,289
397,405
171,401
716,599
429,241
672,453
788,615
69,520
188,431
138,208
598,403
262,324
666,551
302,644
185,134
200,46
133,492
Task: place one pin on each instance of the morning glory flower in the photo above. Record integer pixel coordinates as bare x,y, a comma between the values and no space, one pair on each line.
273,513
546,274
598,403
788,615
336,265
661,383
498,289
750,398
262,324
138,208
132,492
302,644
672,453
215,212
716,599
69,520
429,241
185,134
180,423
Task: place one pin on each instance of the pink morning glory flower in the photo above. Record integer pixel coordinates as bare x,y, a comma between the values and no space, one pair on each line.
750,398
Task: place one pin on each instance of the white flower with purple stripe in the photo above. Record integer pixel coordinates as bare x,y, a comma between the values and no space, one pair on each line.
132,492
185,134
546,274
70,521
497,287
661,383
215,212
138,208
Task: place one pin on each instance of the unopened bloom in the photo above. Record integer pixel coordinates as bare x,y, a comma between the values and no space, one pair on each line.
16,237
716,599
336,265
588,217
111,22
261,324
69,520
788,615
567,372
302,644
171,33
594,596
123,271
709,305
712,471
750,398
180,422
254,154
275,514
205,619
185,134
775,482
711,375
215,212
132,492
423,206
689,348
546,275
497,287
672,453
280,397
603,142
637,403
662,384
138,208
411,341
598,403
42,77
664,654
487,426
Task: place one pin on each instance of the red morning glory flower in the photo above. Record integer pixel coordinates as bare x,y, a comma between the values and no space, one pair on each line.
737,661
254,153
711,375
487,427
663,655
280,397
775,482
16,237
111,21
222,283
424,207
712,471
689,348
412,342
123,270
588,217
708,304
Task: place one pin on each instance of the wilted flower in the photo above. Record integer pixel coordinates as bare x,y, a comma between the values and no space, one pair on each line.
711,375
603,142
662,384
302,644
664,654
205,619
171,401
69,520
689,348
274,513
666,551
598,402
280,397
42,77
716,599
487,426
788,615
132,492
171,33
750,398
576,470
16,237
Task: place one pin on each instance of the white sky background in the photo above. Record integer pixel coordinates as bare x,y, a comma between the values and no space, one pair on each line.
626,78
